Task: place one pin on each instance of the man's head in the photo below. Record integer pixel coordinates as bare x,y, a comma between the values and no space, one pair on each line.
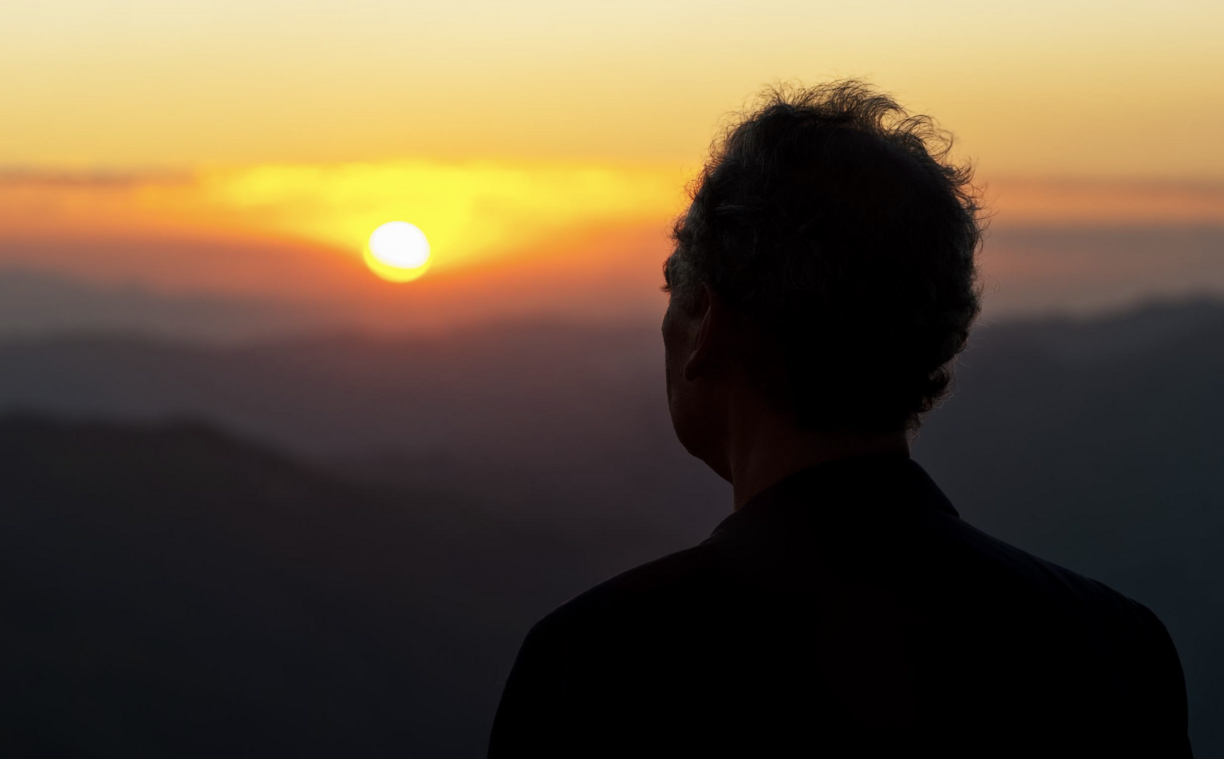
825,267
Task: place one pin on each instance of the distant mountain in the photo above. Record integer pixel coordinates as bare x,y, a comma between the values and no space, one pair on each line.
546,449
519,404
35,303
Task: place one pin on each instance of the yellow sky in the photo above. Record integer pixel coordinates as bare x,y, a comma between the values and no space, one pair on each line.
543,146
1071,88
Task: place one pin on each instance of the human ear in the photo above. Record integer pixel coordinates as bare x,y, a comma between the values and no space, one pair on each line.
709,313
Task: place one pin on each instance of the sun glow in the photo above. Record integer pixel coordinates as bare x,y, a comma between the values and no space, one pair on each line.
398,252
475,211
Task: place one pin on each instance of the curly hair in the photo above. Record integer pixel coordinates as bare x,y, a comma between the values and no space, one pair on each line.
831,217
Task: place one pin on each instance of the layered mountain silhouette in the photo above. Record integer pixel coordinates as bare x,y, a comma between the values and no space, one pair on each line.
174,591
37,303
341,554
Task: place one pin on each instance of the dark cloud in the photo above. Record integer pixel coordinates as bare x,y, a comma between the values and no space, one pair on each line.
95,178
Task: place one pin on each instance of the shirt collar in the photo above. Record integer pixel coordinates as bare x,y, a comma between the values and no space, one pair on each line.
875,484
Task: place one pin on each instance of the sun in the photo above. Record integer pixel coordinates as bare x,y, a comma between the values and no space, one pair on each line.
397,252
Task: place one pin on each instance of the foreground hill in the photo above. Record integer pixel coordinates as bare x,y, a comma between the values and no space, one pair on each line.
174,591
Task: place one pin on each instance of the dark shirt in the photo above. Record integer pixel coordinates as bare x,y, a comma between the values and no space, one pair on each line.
847,611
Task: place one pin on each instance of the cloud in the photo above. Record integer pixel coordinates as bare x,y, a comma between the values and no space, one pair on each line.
471,211
16,176
1055,201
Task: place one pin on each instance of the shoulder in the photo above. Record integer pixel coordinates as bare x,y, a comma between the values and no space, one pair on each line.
980,555
1066,595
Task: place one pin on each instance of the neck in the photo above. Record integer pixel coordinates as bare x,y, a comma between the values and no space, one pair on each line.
767,456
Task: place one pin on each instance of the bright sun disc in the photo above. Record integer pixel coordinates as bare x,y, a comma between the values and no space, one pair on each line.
398,252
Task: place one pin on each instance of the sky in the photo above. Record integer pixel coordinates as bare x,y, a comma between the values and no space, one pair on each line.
244,151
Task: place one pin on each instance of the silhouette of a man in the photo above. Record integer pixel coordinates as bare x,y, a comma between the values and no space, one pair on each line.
822,281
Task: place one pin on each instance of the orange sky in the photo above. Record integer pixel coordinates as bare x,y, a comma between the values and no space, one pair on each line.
510,239
250,148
